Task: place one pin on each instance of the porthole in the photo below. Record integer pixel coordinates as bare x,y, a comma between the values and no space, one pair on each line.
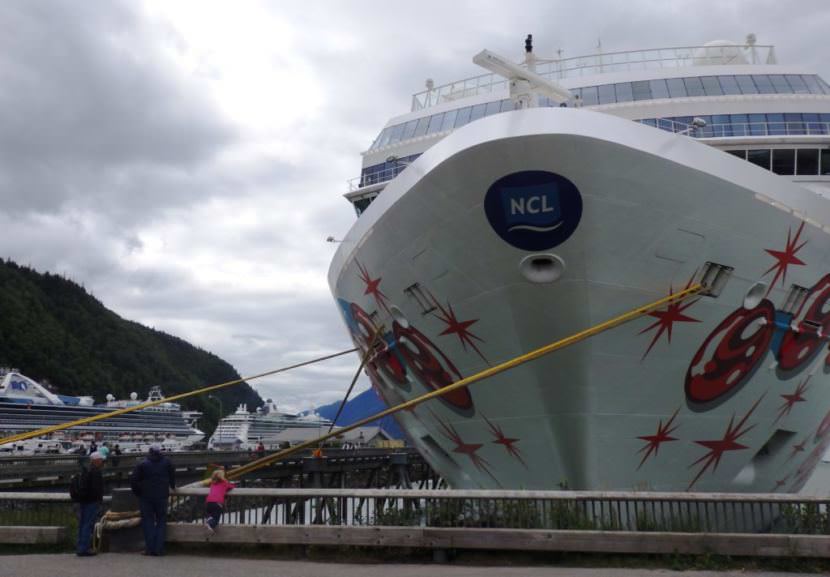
542,268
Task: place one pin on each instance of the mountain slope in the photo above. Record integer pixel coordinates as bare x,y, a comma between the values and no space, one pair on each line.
53,330
363,405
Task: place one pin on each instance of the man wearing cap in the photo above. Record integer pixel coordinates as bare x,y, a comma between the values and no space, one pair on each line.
90,503
151,481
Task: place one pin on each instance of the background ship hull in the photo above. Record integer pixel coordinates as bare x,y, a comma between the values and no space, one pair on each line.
612,412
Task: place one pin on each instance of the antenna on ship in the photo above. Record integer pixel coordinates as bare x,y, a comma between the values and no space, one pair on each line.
525,84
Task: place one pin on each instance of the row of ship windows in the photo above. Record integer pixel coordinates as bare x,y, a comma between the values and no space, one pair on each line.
612,93
769,124
788,161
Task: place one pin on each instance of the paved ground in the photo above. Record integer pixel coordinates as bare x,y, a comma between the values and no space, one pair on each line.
128,565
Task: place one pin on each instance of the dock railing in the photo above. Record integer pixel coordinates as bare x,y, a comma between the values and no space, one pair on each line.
631,522
554,510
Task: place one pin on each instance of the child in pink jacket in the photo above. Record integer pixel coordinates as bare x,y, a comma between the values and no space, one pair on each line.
215,502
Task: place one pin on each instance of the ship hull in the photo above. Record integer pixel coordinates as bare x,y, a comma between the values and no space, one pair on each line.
653,404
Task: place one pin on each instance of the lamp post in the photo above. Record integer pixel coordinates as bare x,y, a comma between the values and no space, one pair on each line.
218,400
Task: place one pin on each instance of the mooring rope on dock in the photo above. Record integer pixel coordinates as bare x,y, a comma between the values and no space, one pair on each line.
203,390
489,372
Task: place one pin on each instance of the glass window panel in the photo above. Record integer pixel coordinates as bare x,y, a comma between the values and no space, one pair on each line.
775,124
763,83
825,117
507,105
492,108
676,87
384,136
780,84
729,85
606,94
758,124
421,129
797,84
463,116
760,157
589,96
650,121
783,161
449,120
711,86
658,88
794,123
478,112
435,123
824,85
739,153
746,84
409,129
807,161
640,90
624,92
395,134
694,87
825,161
740,124
812,84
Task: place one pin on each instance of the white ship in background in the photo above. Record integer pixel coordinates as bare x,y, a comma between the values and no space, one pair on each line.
509,210
26,405
244,430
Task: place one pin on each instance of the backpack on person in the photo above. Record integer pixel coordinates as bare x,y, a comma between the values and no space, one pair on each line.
78,486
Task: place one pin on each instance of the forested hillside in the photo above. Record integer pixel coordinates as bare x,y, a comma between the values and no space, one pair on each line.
52,329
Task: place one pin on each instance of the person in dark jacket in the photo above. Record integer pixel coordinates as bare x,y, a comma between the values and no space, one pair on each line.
151,481
90,504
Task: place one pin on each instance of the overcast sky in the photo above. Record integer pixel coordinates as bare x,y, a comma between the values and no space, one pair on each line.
185,161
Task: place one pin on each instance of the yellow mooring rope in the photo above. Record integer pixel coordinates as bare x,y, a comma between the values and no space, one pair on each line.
110,414
500,368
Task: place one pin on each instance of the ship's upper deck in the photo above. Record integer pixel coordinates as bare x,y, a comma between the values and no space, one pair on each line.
719,52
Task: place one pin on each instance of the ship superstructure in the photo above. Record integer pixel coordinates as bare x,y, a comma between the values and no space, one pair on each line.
511,209
243,430
26,405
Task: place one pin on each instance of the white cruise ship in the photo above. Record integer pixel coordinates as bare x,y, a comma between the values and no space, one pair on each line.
26,405
509,210
244,430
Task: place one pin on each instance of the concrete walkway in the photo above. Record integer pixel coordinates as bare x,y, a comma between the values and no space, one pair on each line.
128,565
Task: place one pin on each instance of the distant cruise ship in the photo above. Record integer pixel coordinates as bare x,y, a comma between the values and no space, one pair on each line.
26,405
509,210
245,430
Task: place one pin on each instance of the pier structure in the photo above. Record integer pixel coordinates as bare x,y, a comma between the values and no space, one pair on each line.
357,468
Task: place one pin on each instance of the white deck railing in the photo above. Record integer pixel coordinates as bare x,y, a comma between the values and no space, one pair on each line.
601,63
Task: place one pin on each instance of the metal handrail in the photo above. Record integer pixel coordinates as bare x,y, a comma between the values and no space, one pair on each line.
588,65
742,129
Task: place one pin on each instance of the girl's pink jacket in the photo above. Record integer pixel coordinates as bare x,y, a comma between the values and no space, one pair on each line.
218,491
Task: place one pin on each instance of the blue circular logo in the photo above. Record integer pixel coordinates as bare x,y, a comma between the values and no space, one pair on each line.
533,209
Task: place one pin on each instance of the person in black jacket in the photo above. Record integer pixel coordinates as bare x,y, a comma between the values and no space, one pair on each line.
151,481
89,504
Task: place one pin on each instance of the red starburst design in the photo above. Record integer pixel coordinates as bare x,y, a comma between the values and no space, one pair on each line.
469,449
785,257
666,318
459,328
372,286
792,399
780,483
505,441
797,449
718,447
661,436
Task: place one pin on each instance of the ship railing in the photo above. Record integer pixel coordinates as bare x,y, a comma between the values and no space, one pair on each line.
552,510
601,63
742,129
378,177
